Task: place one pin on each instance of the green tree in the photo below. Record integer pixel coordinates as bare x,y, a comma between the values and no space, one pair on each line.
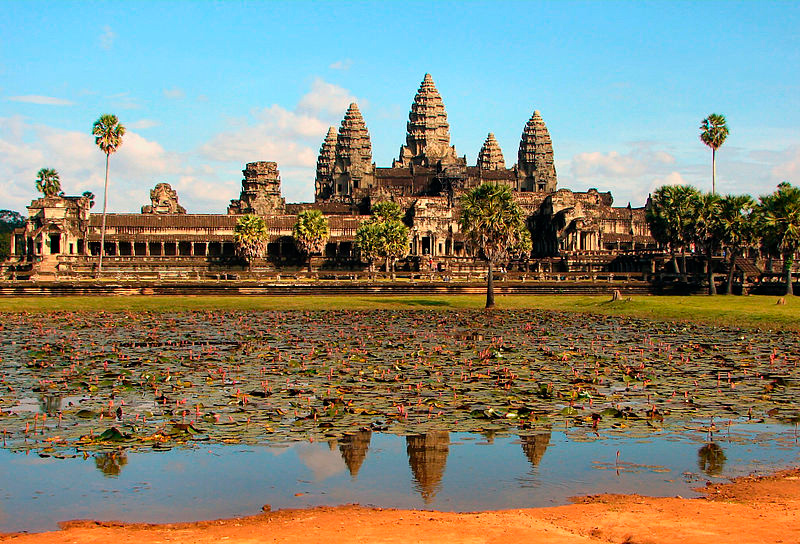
9,221
311,233
387,211
251,236
778,220
495,224
706,232
368,241
108,133
669,215
383,235
392,242
715,131
737,230
48,182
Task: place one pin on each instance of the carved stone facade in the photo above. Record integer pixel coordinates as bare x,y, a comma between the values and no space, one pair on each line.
163,200
261,190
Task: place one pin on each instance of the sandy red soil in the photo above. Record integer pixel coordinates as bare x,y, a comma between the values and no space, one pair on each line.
749,510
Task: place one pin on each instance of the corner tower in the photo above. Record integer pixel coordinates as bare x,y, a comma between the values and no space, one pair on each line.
535,168
323,185
428,133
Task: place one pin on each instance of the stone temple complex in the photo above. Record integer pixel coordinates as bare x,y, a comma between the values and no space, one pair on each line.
572,230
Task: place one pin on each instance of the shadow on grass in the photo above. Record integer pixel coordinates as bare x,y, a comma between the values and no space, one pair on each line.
411,302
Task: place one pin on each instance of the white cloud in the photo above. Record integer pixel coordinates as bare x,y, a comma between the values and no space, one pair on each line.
41,100
788,167
326,98
175,93
107,38
344,64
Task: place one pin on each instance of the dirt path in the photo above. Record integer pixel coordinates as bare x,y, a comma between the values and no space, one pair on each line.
750,510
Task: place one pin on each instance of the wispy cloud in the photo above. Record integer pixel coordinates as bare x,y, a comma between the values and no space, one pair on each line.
344,64
142,124
41,100
107,38
175,93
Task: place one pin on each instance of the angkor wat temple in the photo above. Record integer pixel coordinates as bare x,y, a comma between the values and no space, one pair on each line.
572,230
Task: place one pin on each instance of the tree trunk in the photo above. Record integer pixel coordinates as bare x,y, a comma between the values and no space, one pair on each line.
684,272
103,227
712,287
490,288
787,266
729,282
675,264
309,264
713,171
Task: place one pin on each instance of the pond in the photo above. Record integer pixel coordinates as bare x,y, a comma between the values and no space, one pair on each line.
440,470
182,404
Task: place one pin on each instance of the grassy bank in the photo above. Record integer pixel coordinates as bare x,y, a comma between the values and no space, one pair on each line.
729,310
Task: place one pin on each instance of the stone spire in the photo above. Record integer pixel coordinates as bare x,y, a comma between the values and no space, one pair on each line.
261,190
536,170
353,163
490,157
428,136
325,165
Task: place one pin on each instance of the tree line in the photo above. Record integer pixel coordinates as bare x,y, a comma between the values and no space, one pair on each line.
683,219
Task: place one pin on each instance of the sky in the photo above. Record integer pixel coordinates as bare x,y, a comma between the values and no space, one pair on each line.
205,87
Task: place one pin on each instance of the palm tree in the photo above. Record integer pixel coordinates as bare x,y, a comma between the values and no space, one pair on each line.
705,226
715,131
495,224
736,226
368,241
107,132
393,242
669,215
251,236
778,219
48,182
311,233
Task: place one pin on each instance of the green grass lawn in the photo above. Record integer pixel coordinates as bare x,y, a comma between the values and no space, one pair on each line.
758,311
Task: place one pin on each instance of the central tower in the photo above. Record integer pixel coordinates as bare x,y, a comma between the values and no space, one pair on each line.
428,133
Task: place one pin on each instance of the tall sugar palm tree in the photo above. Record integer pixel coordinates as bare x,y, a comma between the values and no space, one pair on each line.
48,182
778,219
736,226
715,131
107,132
311,233
495,224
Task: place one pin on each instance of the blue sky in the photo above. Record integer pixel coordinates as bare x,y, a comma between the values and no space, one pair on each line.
205,87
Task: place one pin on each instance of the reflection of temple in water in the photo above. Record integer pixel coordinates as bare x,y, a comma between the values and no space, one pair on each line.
427,455
354,447
111,463
534,446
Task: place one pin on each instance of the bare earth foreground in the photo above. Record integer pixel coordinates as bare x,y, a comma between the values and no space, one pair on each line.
753,509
